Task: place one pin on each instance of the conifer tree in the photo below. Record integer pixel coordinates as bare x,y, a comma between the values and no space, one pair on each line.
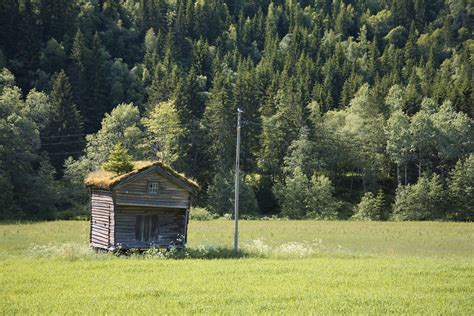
64,132
97,75
78,71
461,190
219,120
57,18
119,160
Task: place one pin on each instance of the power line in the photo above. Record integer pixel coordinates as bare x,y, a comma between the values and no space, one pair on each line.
49,137
58,136
66,153
60,143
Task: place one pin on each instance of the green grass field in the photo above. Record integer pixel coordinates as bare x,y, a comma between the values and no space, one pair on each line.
288,267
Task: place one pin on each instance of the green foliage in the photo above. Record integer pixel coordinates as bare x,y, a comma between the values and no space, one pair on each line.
28,187
320,201
200,214
162,132
461,190
301,198
121,125
7,79
220,196
397,36
301,154
119,160
64,120
218,120
423,200
293,194
372,93
371,208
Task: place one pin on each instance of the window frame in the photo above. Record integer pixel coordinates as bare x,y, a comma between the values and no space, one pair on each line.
149,186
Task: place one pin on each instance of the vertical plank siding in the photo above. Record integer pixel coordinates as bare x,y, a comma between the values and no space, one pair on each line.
102,223
129,216
171,223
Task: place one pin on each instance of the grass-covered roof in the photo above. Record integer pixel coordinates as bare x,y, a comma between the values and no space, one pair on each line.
102,179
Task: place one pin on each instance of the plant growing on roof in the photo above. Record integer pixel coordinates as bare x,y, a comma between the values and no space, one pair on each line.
119,160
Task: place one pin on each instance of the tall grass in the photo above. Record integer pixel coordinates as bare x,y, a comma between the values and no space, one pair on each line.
271,239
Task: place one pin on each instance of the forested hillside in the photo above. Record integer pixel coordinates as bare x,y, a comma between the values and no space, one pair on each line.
358,109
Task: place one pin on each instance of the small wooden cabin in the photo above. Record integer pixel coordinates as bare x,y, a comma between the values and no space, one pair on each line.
146,207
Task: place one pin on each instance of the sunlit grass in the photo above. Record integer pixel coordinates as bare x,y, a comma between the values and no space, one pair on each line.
287,267
423,239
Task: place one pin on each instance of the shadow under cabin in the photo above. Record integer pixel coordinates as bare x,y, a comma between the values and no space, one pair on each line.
147,207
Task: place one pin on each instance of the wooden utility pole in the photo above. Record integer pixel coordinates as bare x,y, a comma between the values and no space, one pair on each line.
237,184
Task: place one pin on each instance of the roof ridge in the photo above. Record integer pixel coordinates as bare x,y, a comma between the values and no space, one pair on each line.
107,180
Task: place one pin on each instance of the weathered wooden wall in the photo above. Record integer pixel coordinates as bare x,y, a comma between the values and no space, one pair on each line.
134,192
171,222
102,219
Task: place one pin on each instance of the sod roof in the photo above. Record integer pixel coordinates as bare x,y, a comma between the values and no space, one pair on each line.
107,180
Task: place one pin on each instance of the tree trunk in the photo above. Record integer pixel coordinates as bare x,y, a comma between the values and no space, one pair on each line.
363,180
406,177
399,182
352,182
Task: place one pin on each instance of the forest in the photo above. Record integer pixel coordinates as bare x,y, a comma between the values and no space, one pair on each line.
352,109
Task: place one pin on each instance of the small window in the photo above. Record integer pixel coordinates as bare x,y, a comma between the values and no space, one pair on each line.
153,187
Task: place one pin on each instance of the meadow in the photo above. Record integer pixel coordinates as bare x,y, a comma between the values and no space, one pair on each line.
285,267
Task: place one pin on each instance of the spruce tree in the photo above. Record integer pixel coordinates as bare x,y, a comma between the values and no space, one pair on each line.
98,75
64,133
119,160
219,121
461,190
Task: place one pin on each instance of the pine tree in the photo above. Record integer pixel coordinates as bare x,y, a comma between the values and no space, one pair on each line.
219,120
370,207
461,190
9,20
80,55
247,99
29,41
64,132
151,14
57,18
119,160
98,70
410,51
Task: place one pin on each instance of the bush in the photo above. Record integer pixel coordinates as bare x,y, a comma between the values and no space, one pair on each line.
200,214
370,207
226,216
320,201
76,212
423,200
221,196
292,195
461,191
301,198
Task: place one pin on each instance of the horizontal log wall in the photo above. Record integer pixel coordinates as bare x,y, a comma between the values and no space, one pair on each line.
102,219
171,222
135,192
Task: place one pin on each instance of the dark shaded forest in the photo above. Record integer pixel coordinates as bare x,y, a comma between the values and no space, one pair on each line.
352,109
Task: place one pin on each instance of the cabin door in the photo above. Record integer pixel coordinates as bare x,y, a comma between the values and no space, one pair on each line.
147,228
